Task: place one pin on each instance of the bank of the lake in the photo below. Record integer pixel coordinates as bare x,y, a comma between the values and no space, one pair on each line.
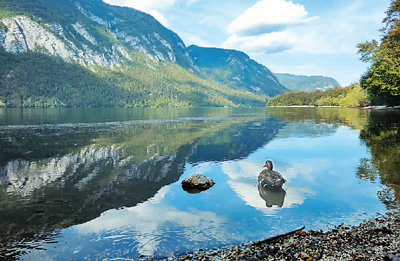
373,239
376,107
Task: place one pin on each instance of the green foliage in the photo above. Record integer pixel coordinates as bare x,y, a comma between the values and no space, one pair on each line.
382,80
37,80
355,97
328,101
367,50
3,27
290,98
351,96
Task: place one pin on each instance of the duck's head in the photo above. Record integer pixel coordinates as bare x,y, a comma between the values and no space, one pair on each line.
268,165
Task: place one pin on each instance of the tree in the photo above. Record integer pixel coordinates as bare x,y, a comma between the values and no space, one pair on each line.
382,80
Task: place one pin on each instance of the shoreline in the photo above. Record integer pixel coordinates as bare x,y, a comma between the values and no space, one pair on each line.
377,107
373,239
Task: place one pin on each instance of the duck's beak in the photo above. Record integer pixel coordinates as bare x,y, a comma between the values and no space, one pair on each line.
265,165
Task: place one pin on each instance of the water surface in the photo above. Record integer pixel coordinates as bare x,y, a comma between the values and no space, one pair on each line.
105,183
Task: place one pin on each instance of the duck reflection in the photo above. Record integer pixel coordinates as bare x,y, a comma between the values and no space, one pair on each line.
272,196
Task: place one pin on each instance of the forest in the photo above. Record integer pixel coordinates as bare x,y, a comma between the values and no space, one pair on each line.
351,96
38,80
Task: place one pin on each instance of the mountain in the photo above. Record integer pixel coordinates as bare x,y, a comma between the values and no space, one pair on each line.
236,69
87,53
89,32
306,83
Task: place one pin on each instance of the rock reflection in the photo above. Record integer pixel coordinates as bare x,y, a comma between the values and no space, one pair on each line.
193,190
272,197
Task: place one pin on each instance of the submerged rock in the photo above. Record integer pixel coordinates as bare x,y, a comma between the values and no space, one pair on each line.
196,183
270,178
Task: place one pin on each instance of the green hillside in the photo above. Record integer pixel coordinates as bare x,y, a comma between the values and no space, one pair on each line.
38,80
62,53
350,96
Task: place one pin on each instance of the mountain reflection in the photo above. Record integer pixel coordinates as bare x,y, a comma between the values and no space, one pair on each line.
111,190
57,176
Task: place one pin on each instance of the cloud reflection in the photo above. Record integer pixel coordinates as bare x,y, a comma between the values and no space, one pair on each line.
244,182
146,225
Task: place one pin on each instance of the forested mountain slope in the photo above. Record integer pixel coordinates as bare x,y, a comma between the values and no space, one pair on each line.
236,69
90,54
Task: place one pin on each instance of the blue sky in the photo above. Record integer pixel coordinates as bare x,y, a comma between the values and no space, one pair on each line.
304,37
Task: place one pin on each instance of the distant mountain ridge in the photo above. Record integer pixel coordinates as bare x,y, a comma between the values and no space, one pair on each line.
235,68
306,83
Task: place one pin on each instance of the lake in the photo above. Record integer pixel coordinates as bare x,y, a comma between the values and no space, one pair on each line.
106,183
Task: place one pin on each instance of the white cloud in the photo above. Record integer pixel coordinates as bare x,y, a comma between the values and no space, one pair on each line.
265,43
268,16
266,27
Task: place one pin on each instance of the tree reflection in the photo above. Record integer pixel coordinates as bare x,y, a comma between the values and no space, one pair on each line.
379,130
366,171
382,137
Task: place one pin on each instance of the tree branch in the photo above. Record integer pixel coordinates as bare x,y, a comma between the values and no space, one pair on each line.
278,236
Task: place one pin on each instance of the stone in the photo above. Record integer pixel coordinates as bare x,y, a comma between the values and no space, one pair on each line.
196,183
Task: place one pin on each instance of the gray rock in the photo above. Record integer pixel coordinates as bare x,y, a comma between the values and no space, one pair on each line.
198,182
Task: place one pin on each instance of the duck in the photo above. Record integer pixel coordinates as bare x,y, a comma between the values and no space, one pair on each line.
269,177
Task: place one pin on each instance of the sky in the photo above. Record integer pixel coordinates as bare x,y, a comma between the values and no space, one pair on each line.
302,37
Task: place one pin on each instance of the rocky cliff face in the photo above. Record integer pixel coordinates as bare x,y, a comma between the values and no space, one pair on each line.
23,35
90,39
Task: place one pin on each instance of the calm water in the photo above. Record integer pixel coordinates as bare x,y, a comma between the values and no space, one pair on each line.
105,183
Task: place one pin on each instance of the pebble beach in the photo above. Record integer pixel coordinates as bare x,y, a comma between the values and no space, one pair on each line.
373,239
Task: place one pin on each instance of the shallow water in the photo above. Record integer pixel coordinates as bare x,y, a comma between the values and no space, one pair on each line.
105,183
